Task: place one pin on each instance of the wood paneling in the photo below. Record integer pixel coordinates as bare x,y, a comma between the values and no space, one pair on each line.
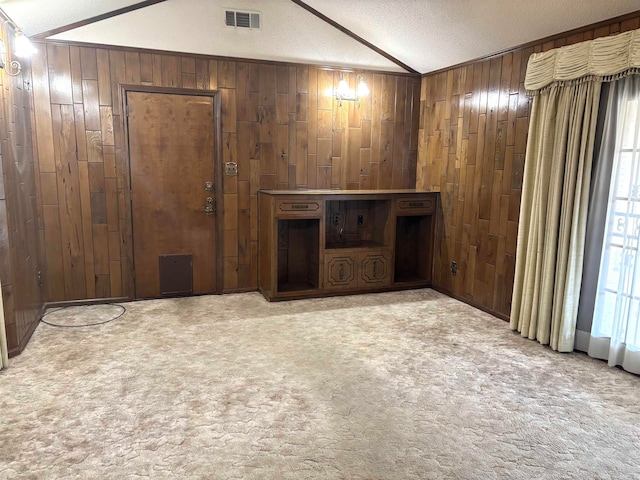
278,123
20,242
473,132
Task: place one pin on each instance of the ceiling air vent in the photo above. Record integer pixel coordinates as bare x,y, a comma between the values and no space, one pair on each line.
242,19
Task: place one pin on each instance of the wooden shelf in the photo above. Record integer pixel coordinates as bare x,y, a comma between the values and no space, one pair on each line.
296,287
318,243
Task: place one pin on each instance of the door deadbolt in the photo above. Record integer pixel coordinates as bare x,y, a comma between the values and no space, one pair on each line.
208,186
209,206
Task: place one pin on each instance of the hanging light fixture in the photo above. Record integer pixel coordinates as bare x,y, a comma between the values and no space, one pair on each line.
22,48
343,92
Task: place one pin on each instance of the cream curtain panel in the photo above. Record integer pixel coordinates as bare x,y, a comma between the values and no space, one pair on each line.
565,84
553,214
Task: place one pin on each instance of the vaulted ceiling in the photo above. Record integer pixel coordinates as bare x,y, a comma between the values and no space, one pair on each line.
424,35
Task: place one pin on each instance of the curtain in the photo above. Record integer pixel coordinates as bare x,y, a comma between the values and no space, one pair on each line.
606,58
598,208
565,84
553,212
615,332
4,351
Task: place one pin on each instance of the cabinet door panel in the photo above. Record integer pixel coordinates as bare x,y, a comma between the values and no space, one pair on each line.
340,271
374,269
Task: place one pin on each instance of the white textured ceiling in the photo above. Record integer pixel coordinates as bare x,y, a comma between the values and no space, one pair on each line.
425,34
289,33
432,34
37,16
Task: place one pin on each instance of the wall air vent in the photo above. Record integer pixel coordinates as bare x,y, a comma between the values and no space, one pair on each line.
238,19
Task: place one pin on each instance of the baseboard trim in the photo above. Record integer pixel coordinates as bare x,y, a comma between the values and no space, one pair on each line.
239,290
90,301
499,315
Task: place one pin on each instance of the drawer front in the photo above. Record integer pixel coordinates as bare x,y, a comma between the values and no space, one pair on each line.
374,269
416,206
340,271
301,208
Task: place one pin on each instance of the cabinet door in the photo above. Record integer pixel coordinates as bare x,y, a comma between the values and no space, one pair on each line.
340,271
374,269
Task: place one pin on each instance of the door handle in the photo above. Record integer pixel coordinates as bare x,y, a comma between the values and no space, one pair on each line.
209,206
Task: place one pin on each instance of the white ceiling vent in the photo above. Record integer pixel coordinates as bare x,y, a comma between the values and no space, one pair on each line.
242,19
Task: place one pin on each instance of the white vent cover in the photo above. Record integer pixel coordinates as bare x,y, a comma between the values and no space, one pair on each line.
242,19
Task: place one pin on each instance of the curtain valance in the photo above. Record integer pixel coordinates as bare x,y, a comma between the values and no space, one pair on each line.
605,58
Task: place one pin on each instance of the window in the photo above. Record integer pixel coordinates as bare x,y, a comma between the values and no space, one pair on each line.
617,307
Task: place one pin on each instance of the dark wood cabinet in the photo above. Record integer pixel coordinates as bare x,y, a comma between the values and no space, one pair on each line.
333,242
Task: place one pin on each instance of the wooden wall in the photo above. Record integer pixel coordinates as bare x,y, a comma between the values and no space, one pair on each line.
472,138
19,249
278,124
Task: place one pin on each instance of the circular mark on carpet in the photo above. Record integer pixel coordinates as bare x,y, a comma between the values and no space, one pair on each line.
83,315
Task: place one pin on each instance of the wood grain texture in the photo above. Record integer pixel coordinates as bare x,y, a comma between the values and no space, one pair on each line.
472,138
319,243
20,217
169,196
278,122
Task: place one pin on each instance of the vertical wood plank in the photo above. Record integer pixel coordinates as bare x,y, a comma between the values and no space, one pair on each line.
146,67
42,111
104,77
59,63
117,68
76,74
69,202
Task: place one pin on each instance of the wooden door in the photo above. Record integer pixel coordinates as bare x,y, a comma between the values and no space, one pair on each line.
172,151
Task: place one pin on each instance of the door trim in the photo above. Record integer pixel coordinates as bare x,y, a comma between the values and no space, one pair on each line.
127,222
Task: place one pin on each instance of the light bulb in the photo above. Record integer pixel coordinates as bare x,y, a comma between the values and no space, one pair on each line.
23,47
363,90
343,88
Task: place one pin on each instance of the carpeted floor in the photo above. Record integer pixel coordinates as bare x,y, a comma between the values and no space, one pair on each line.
404,385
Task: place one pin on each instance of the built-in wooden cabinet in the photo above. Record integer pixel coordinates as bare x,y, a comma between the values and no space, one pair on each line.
330,242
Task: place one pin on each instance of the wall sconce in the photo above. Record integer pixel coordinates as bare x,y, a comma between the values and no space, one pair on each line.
343,92
3,62
22,48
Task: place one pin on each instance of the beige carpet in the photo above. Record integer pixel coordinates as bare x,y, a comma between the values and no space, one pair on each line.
406,385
